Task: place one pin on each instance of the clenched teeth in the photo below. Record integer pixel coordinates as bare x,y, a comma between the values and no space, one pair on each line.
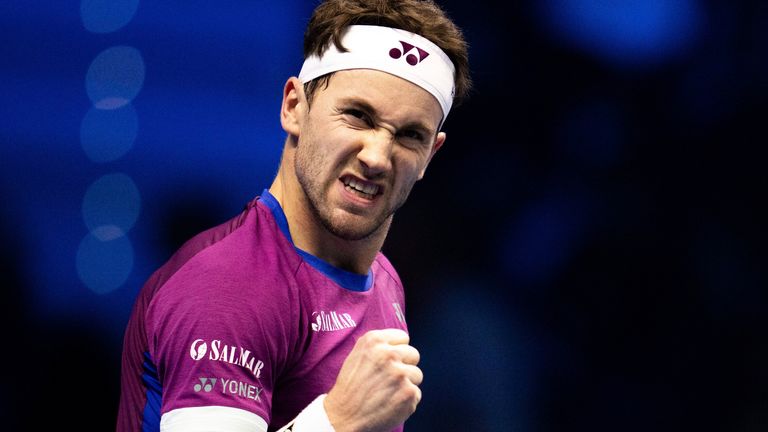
367,189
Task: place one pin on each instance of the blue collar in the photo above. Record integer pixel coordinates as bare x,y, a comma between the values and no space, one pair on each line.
348,280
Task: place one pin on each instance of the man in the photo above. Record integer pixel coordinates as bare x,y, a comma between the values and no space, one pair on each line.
288,316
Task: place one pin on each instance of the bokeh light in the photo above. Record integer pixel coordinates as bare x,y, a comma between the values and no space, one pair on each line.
627,32
115,77
112,200
105,16
543,237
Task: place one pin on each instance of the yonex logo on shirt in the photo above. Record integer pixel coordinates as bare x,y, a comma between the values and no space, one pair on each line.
229,387
227,354
205,384
331,321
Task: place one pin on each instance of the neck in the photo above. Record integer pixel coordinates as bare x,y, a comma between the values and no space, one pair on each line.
311,236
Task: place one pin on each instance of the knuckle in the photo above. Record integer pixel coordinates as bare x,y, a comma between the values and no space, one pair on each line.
375,335
400,376
417,355
417,399
370,339
419,376
390,355
385,359
410,397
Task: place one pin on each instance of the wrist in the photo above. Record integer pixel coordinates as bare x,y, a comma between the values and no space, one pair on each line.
335,413
313,418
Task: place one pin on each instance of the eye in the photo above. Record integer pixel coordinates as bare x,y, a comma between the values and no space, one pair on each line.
358,116
412,135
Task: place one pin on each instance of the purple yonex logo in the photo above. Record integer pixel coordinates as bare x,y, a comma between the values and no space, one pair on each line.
412,59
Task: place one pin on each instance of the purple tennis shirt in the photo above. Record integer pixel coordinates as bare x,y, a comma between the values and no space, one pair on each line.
239,317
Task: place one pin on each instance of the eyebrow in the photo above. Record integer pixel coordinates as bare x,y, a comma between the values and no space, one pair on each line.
370,110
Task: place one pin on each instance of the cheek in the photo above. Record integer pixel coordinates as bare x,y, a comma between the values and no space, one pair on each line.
317,161
408,170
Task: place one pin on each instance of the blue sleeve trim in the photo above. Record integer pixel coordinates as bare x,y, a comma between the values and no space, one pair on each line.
151,417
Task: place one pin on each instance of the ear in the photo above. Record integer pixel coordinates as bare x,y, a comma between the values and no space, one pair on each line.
293,107
439,141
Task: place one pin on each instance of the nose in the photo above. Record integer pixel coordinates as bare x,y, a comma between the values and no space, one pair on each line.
376,152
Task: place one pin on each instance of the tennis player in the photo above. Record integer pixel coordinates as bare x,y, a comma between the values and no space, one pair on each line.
288,316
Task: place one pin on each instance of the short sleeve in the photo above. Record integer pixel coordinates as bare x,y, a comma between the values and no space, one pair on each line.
219,333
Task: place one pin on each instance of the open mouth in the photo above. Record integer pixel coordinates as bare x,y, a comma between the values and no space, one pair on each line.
361,188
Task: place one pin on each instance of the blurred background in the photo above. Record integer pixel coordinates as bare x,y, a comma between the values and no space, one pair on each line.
587,252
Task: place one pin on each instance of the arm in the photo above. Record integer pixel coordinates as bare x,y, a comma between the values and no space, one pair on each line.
376,390
215,372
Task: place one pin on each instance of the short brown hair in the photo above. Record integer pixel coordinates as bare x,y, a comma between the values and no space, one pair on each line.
422,17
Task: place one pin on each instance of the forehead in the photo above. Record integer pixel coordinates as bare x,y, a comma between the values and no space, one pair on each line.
390,95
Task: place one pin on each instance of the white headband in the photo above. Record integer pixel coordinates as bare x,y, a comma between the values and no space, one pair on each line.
390,50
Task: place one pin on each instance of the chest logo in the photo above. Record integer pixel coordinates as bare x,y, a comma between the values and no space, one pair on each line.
331,321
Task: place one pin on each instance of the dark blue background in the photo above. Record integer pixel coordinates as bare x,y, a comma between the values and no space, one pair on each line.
587,252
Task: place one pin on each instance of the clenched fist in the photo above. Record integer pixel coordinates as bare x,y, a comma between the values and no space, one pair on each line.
377,387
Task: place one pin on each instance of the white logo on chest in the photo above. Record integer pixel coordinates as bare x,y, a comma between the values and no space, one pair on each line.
331,321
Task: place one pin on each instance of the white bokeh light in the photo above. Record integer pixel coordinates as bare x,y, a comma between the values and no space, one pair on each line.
115,77
105,16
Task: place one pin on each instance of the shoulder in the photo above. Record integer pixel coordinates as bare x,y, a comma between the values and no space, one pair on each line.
230,275
244,252
382,265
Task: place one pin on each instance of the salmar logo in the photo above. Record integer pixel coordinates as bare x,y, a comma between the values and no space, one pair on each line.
226,353
198,349
331,321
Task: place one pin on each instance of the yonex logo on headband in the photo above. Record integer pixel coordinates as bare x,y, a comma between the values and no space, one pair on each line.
412,60
375,47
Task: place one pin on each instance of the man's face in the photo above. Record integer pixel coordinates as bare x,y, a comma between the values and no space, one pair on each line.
367,138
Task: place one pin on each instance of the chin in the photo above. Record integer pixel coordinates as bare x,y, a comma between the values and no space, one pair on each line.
352,230
351,233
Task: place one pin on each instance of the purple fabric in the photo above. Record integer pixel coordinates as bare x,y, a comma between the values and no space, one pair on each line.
237,318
